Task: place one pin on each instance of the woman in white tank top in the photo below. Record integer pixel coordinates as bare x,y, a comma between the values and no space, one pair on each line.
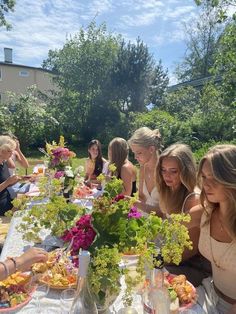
217,174
146,144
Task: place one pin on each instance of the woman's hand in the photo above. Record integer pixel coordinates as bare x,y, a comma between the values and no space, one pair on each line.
31,256
12,180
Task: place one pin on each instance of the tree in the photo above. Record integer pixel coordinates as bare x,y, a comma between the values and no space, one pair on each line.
220,6
5,7
131,76
158,86
181,103
202,41
84,66
27,117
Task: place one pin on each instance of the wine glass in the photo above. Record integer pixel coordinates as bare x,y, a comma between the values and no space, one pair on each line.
41,292
66,299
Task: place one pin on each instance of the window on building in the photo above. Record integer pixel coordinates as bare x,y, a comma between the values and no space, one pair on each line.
0,97
24,73
0,74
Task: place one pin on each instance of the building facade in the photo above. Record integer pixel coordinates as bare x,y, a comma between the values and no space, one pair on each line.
17,78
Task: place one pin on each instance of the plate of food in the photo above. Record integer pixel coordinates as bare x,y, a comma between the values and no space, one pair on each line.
182,293
58,272
15,292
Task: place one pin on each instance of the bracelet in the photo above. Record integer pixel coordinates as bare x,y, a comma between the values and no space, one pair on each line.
6,269
14,261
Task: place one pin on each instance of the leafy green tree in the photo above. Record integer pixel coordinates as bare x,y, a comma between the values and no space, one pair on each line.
181,103
220,6
83,66
203,35
225,65
158,85
27,117
133,72
5,7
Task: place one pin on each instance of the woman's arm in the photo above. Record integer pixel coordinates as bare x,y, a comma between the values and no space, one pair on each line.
23,262
9,181
10,164
127,178
20,157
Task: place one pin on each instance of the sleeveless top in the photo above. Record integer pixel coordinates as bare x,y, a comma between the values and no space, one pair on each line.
222,257
151,198
5,199
185,200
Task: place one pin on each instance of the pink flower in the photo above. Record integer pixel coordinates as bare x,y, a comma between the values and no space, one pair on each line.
59,174
134,213
82,234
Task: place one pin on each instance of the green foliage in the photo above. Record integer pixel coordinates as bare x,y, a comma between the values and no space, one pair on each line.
56,215
203,34
5,7
25,116
181,103
104,275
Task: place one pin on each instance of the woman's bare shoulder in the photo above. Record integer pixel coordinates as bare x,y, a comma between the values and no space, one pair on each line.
192,201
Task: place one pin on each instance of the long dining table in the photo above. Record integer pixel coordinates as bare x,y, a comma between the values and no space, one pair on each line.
15,245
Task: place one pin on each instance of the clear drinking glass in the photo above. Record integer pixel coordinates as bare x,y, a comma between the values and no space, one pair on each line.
41,292
66,300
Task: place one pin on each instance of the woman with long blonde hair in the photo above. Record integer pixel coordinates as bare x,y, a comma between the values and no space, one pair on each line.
217,242
146,145
176,179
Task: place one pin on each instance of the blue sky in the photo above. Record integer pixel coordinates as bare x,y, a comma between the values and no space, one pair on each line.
44,24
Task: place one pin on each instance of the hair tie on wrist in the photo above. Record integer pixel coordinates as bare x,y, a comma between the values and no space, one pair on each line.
6,269
14,261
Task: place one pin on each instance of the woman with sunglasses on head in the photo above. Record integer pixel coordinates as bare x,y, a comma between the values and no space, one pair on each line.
176,179
145,144
217,242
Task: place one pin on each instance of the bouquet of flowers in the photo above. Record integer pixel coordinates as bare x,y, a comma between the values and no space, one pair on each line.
58,155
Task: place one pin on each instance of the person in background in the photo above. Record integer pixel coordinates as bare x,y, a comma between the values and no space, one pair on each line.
176,179
7,146
23,262
94,164
118,150
146,144
217,242
16,157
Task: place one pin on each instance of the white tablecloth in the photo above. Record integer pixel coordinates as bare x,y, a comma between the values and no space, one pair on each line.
15,245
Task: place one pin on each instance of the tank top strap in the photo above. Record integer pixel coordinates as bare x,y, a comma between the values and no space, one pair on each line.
185,200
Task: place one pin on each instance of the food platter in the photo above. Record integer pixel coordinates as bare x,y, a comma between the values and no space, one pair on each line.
14,292
58,272
186,295
186,292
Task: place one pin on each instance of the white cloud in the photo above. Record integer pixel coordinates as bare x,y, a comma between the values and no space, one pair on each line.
41,25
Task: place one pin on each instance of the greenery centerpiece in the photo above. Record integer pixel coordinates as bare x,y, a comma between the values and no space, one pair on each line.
116,227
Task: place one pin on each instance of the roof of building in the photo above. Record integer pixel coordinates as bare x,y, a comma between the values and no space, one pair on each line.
25,66
195,83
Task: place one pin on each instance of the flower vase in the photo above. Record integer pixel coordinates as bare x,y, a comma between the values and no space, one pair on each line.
130,263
